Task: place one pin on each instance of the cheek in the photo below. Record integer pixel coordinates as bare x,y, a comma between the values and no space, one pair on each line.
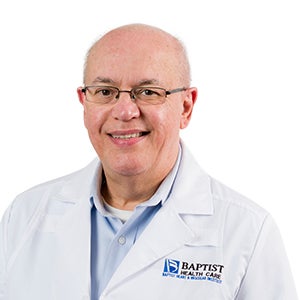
167,120
92,120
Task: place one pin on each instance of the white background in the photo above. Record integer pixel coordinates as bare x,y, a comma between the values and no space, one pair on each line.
245,62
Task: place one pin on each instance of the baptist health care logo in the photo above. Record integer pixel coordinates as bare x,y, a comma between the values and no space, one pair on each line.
192,271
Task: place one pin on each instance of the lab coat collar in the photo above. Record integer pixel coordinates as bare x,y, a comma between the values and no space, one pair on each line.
191,192
80,184
185,194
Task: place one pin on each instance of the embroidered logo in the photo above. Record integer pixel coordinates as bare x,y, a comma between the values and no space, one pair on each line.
171,266
193,270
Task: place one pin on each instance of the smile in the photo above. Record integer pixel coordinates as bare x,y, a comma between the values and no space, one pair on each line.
128,136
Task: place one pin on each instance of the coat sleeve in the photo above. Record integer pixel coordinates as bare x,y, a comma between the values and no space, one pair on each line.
268,275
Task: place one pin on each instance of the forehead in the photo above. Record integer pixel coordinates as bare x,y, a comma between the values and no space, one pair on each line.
133,53
139,38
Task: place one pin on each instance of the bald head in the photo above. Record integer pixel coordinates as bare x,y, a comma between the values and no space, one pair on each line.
139,42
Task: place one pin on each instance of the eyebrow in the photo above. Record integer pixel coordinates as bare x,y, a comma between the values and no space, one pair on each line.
103,80
139,83
148,81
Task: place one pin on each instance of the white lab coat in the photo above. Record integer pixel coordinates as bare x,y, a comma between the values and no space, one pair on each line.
206,242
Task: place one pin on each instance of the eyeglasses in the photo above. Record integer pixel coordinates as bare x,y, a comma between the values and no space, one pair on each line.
106,94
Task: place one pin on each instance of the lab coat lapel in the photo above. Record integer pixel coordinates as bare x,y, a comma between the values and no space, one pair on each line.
73,237
74,251
150,246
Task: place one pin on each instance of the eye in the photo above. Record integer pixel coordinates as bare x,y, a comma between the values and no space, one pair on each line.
104,92
148,92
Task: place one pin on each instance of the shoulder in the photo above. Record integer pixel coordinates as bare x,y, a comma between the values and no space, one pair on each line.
31,198
242,217
34,202
235,200
222,196
33,195
244,222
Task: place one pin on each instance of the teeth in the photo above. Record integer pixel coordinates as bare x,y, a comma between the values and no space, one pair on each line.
127,136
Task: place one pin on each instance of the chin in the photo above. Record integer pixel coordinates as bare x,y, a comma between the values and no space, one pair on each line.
129,167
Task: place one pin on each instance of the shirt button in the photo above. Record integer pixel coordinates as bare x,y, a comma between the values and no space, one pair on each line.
122,240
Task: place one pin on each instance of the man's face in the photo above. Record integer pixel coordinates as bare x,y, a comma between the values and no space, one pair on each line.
130,137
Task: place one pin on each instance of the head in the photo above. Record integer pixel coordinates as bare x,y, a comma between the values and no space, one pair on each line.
131,137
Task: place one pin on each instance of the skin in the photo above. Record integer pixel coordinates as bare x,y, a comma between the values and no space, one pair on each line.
127,57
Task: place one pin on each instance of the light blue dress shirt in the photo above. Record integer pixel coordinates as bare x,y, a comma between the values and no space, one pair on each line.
111,239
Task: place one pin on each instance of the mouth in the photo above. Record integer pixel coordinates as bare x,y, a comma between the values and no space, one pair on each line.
128,136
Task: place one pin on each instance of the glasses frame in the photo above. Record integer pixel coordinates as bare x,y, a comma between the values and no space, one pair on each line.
131,92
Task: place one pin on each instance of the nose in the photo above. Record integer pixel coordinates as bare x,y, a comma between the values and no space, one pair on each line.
125,108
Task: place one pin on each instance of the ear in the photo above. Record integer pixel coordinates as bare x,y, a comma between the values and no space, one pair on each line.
80,94
188,105
81,97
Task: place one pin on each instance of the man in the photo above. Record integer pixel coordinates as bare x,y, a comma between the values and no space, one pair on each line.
143,221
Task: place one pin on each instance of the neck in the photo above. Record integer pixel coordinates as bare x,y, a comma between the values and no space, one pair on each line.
127,193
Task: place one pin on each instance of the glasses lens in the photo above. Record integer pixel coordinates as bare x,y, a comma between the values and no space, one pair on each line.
149,94
102,94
